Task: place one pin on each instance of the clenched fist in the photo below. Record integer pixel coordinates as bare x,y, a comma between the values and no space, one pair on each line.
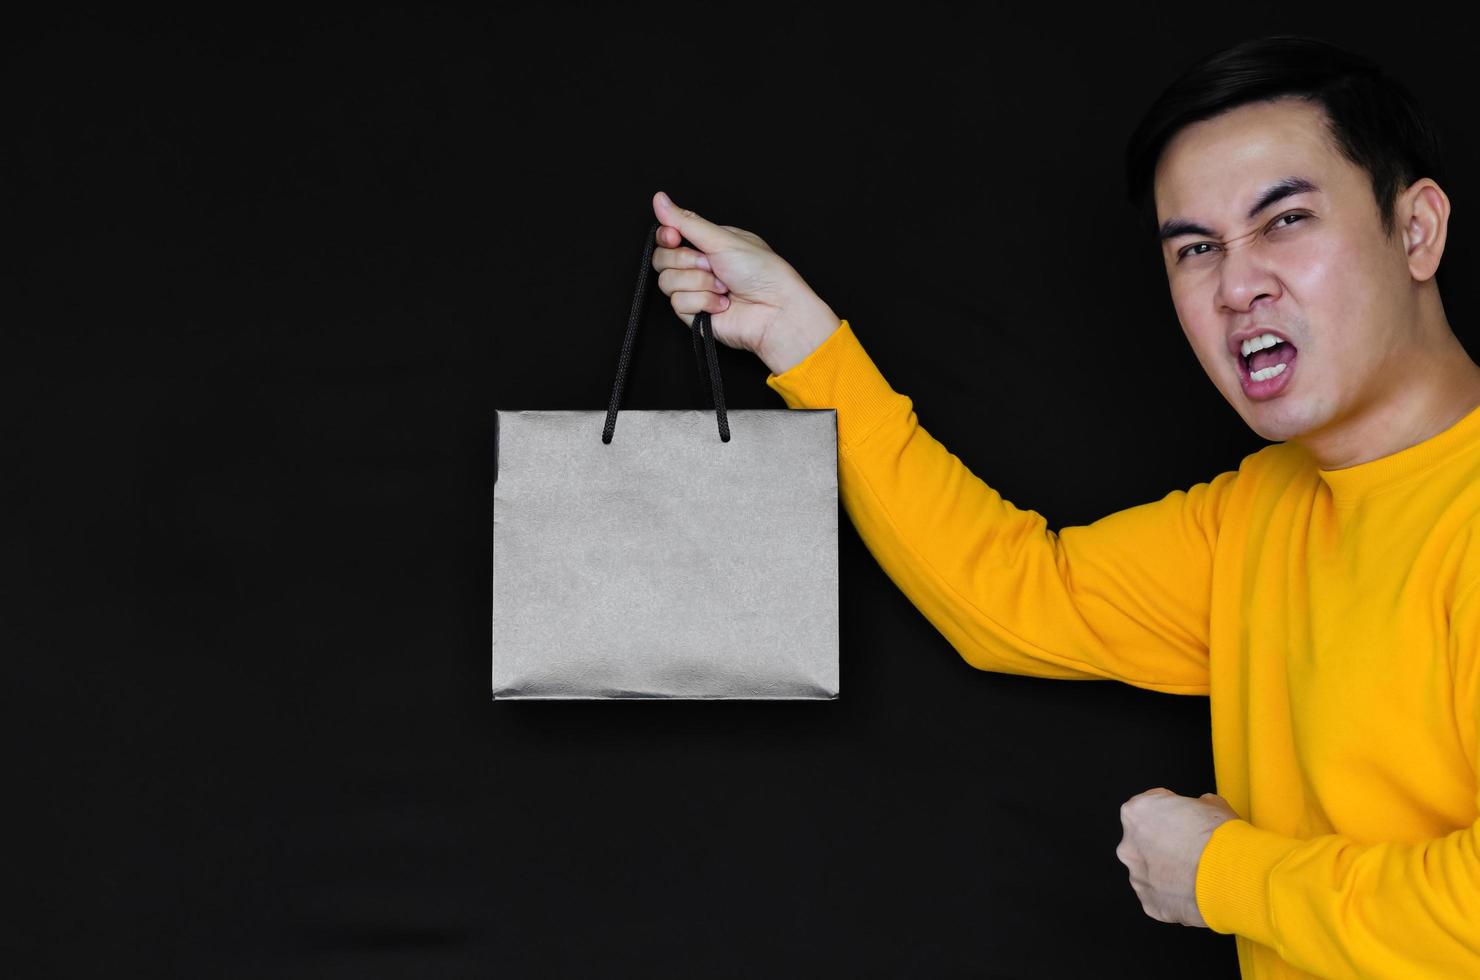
1163,840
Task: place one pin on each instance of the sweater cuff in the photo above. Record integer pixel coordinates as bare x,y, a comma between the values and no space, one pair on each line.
839,374
1232,888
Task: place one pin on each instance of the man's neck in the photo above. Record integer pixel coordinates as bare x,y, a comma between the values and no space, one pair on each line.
1432,396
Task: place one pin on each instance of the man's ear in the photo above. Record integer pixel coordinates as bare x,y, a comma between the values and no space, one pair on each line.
1423,217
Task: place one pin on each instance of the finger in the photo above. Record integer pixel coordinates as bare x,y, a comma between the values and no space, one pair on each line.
678,280
706,235
695,302
679,258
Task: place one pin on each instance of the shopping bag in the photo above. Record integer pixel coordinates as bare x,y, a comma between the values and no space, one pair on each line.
658,559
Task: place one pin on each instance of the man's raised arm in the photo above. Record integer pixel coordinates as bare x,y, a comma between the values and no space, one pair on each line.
1125,598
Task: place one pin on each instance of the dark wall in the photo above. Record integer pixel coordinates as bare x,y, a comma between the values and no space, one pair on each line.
273,273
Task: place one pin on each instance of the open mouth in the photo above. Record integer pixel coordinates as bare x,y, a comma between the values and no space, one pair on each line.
1268,370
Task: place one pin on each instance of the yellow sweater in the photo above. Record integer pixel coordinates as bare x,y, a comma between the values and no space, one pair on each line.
1332,616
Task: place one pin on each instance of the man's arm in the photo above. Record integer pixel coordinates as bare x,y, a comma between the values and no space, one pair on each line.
1339,908
1125,598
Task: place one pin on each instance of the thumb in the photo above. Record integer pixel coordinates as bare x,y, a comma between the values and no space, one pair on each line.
705,235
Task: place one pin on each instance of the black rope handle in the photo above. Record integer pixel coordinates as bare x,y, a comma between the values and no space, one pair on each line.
700,325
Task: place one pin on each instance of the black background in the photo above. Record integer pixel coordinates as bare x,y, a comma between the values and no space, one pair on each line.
271,273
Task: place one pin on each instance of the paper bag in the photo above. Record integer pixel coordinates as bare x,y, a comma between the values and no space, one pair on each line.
665,560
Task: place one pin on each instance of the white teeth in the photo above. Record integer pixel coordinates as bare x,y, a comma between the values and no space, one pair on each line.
1267,373
1259,343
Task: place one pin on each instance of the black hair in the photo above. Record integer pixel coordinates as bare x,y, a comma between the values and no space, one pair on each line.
1371,117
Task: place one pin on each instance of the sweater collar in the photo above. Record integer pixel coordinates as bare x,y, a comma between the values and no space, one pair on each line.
1351,484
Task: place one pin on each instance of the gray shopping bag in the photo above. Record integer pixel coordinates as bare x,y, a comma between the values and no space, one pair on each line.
665,560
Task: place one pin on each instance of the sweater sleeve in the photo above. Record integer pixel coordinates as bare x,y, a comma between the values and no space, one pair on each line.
1336,907
1125,598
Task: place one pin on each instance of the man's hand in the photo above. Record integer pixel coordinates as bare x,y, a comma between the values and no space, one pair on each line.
756,301
1164,836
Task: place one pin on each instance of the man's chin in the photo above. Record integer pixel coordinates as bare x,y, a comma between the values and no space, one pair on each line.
1274,419
1273,422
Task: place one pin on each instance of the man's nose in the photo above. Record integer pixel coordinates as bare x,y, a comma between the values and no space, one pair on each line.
1245,274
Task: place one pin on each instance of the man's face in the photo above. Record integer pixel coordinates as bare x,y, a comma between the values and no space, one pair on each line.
1315,267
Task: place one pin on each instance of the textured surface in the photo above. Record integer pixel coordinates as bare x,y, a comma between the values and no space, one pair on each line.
668,563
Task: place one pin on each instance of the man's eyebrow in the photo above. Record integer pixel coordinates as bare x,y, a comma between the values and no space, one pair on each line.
1280,189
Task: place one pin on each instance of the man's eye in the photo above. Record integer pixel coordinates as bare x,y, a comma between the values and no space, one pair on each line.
1273,224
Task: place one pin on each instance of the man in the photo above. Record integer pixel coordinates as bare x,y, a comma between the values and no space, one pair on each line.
1325,595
